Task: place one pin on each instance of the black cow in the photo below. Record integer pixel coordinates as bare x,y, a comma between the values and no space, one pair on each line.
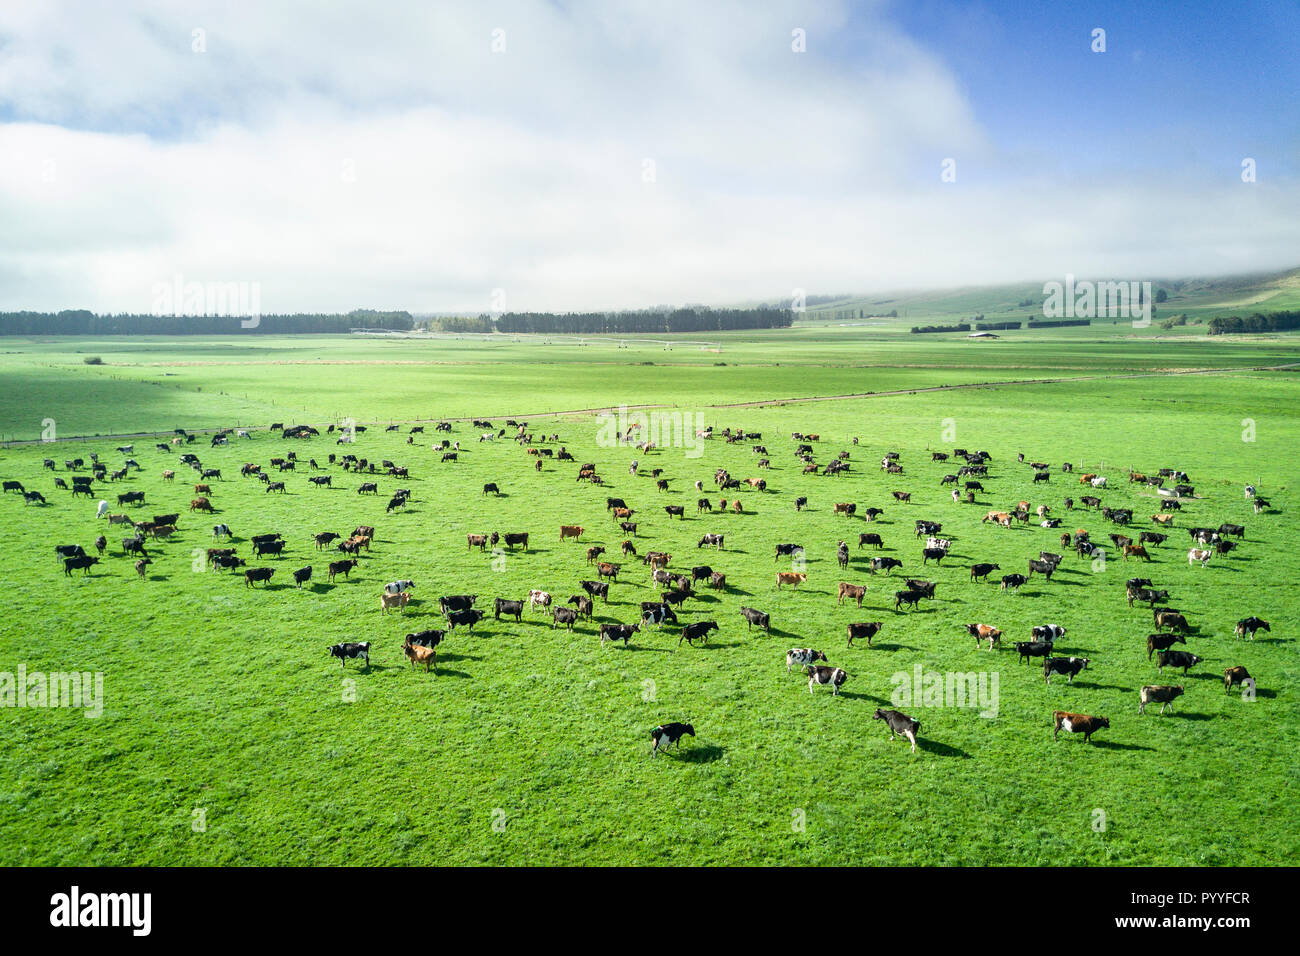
1176,659
267,547
456,602
910,598
302,575
504,606
788,550
978,571
1028,649
516,537
1162,642
565,616
1013,581
468,618
870,538
753,617
82,562
866,630
257,574
697,631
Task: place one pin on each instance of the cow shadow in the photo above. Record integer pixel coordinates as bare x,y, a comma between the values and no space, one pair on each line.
446,672
858,695
940,750
1114,745
706,754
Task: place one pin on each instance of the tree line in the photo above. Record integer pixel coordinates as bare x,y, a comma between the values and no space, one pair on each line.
665,321
1258,322
83,322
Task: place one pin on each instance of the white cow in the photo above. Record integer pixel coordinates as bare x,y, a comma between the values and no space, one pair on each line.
1199,554
1099,482
1250,491
102,510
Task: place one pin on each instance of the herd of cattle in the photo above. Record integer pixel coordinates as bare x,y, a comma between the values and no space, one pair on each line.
1169,486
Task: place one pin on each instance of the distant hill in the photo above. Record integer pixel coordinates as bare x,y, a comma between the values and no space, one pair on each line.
1198,297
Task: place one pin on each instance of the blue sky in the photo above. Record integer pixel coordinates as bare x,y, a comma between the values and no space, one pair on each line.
619,153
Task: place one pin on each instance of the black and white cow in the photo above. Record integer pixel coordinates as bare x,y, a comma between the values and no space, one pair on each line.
1156,694
1048,632
351,651
665,735
397,587
1069,666
899,724
803,656
825,674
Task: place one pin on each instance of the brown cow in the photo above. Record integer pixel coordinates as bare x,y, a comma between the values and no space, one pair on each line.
855,591
202,490
399,601
1077,724
570,531
200,504
792,578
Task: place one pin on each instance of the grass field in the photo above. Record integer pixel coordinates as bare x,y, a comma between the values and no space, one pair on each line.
531,744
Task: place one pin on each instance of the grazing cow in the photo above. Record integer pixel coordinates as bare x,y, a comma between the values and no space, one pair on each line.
301,575
129,497
253,575
872,539
504,606
1162,642
426,638
81,562
701,572
678,510
984,632
1028,649
1045,568
341,567
911,598
275,486
397,587
570,531
1069,666
267,547
800,503
594,552
597,589
457,602
563,616
1177,659
657,613
1047,632
787,550
753,617
803,656
583,605
936,555
825,675
468,618
321,480
1152,537
883,564
899,724
1248,626
666,735
865,629
619,632
703,504
351,651
389,600
978,571
1013,581
1077,724
1158,694
718,580
873,513
200,504
713,539
1236,675
491,488
792,578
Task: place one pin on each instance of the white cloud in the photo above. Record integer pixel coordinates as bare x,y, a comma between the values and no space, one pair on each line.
523,170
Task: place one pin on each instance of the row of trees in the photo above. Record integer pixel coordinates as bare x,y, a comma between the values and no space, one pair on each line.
1057,323
961,327
1258,322
82,322
653,321
995,326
